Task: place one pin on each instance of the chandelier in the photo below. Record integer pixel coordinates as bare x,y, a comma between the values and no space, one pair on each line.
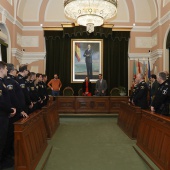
90,13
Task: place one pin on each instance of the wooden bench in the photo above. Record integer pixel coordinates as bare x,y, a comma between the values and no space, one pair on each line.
154,138
30,141
51,118
129,119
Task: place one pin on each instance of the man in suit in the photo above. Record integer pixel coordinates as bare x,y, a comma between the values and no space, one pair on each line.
88,59
101,86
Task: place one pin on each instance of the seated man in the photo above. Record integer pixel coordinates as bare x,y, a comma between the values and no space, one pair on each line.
101,86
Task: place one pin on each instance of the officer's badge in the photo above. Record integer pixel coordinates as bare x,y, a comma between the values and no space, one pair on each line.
32,88
164,92
142,87
22,86
10,87
0,92
4,85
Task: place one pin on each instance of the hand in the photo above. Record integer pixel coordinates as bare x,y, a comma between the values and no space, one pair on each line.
86,92
31,105
102,91
24,114
152,109
13,113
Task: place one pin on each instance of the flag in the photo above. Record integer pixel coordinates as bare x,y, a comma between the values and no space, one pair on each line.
77,51
149,71
134,70
144,71
139,71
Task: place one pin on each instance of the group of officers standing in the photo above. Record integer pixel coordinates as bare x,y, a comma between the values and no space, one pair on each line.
21,93
156,97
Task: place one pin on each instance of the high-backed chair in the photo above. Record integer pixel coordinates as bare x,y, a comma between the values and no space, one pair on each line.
68,91
115,92
80,92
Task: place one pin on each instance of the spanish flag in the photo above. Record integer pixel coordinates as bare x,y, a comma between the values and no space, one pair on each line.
77,51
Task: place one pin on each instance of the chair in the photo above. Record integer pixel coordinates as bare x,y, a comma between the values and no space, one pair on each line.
68,91
115,92
80,92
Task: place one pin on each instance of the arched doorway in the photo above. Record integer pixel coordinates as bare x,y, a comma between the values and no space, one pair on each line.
6,42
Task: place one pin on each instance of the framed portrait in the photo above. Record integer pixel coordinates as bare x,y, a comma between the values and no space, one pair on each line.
86,59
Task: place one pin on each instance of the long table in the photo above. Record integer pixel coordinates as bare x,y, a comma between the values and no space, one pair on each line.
89,104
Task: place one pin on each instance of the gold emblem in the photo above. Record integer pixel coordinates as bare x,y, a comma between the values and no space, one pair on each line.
22,86
32,88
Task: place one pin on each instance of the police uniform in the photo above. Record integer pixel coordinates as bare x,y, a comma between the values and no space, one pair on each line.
21,80
34,96
5,110
133,92
162,99
42,92
140,96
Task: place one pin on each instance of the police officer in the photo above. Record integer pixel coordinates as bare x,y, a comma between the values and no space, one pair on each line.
161,101
141,92
44,90
35,98
6,111
21,80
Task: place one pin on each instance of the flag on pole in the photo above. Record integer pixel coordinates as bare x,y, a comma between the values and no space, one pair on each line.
134,70
149,71
139,71
144,71
77,51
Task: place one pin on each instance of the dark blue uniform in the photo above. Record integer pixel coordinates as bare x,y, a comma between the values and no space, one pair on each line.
140,95
162,99
5,110
21,80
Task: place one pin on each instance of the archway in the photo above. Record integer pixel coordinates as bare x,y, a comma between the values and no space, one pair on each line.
5,31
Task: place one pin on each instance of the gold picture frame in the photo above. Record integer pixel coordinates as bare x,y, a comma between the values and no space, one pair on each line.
86,59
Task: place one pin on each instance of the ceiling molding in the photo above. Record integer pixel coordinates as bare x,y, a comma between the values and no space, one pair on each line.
27,57
143,57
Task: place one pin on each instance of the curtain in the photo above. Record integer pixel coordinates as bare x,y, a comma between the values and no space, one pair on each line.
115,55
4,52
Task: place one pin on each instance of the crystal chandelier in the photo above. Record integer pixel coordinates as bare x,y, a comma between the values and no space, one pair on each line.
90,13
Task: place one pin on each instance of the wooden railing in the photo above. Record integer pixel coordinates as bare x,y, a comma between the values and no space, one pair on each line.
154,138
51,118
30,141
31,136
129,119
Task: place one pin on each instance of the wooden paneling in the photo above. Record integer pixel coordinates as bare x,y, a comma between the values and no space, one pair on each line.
30,141
66,104
51,118
154,138
129,119
92,104
89,104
